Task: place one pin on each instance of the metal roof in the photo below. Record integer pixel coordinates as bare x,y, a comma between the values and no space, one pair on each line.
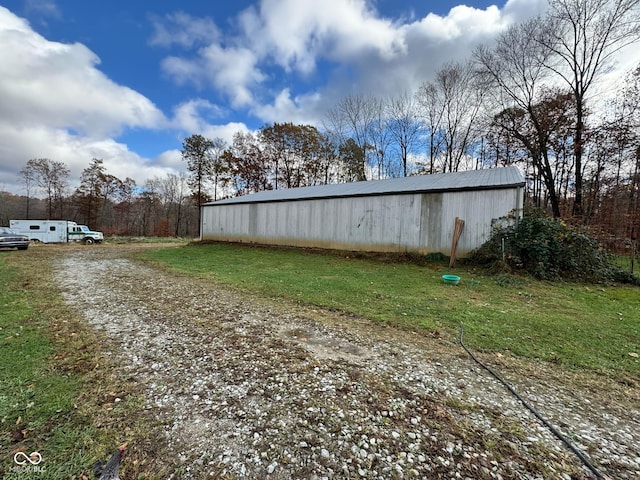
490,178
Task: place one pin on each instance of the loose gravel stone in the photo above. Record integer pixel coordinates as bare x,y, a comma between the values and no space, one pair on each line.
246,388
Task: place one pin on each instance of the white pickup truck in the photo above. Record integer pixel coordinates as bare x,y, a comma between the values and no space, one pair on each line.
56,231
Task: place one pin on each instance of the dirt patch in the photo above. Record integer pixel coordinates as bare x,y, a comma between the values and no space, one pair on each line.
242,387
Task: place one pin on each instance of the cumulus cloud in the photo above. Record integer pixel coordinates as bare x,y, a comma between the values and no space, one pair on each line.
518,10
276,61
190,116
239,65
59,84
57,104
75,151
359,47
462,23
302,109
231,70
333,28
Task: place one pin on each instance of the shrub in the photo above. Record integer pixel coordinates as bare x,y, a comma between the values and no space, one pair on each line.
549,249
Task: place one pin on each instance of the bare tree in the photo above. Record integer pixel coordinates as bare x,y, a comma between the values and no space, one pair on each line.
181,194
404,126
124,205
454,92
379,139
353,117
513,72
51,177
219,169
29,177
431,108
584,35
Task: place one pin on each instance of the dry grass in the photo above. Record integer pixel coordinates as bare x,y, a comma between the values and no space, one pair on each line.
73,440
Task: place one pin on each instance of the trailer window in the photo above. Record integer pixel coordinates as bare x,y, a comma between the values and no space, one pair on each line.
52,228
34,227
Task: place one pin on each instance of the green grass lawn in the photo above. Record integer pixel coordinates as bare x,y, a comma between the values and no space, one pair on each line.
32,397
43,386
592,327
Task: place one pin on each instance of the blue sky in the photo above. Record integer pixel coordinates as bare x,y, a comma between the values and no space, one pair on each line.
127,81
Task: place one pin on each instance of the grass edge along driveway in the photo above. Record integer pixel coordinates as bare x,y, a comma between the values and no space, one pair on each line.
56,387
593,327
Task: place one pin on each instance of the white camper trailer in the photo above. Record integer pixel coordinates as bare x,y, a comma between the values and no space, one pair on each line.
56,231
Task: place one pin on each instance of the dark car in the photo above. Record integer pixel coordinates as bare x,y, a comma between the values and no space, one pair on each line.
11,239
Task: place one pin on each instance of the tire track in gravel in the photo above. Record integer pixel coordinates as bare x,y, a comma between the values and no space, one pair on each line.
248,389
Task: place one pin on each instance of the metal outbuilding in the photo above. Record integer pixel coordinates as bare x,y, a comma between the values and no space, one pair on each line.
412,214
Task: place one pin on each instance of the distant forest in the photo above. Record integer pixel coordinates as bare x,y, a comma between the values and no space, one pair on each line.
534,98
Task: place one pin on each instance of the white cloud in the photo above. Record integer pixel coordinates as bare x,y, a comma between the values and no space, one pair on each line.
462,23
362,49
59,85
280,61
74,151
231,70
184,30
56,104
302,109
45,8
171,159
518,10
190,115
199,116
333,28
226,131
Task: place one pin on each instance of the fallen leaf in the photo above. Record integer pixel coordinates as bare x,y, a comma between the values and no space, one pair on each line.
633,354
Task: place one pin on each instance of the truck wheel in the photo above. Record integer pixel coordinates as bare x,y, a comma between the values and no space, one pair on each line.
89,241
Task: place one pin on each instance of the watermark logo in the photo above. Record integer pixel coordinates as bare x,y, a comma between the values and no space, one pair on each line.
22,458
27,463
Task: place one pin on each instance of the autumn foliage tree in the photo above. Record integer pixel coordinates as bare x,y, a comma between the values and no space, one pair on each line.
200,154
298,154
89,195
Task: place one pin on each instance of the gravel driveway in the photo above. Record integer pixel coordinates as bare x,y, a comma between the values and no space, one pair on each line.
245,387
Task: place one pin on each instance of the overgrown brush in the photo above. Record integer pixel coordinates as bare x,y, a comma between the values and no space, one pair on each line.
549,249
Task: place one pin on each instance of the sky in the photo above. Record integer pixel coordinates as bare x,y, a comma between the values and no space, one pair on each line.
128,81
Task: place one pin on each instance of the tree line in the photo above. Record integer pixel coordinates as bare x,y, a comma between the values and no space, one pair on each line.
533,98
163,206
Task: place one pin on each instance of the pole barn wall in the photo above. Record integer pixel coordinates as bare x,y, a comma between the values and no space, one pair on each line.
404,222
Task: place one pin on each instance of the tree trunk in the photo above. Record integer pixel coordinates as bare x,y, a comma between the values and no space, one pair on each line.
578,142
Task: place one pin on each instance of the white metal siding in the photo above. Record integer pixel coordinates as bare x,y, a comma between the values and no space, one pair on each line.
420,222
478,209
